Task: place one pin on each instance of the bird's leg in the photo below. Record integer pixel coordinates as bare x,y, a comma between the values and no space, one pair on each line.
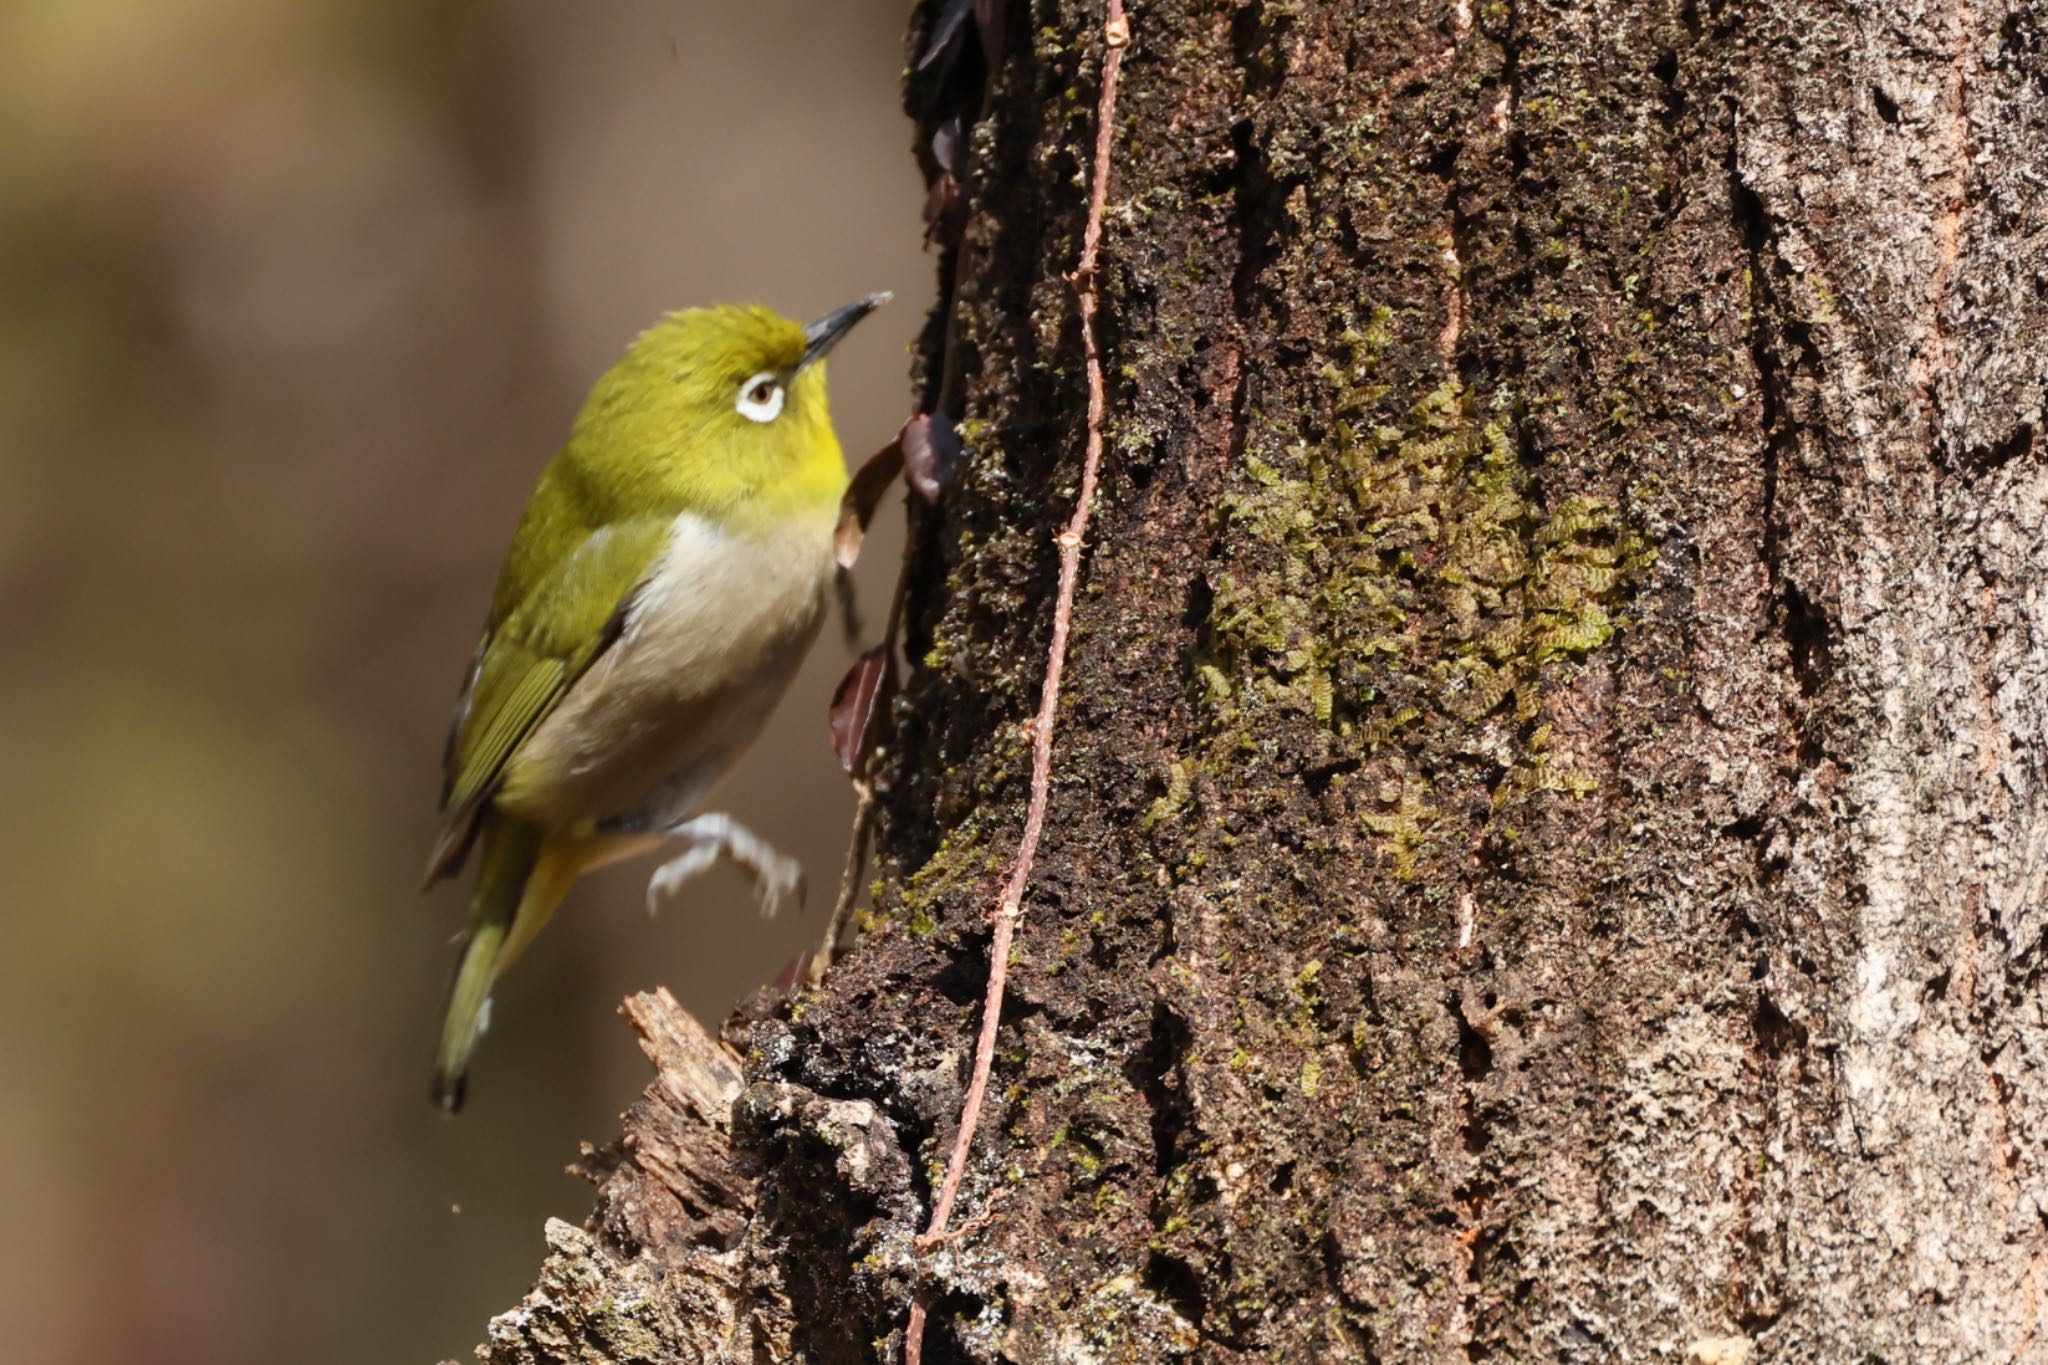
778,878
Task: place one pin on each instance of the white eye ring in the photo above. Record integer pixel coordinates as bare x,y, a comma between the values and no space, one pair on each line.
760,398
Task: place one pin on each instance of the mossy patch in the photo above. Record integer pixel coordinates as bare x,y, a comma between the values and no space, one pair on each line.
1404,590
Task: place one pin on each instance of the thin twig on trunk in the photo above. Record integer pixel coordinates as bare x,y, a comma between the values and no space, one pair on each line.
1116,32
849,880
864,794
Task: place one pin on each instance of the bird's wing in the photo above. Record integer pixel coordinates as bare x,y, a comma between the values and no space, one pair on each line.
568,615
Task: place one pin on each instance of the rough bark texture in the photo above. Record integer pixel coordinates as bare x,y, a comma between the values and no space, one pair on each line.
658,1272
1547,853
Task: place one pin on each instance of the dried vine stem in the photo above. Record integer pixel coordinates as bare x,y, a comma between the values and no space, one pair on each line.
849,882
1116,33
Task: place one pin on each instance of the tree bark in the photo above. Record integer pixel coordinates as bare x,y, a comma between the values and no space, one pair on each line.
1547,845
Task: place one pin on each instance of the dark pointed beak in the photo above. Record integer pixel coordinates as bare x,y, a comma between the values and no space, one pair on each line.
822,335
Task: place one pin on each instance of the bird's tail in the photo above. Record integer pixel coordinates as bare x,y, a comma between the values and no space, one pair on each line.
501,920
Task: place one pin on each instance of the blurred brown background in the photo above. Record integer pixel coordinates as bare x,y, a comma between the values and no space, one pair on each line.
295,300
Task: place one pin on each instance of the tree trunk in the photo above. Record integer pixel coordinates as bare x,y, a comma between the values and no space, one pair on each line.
1547,844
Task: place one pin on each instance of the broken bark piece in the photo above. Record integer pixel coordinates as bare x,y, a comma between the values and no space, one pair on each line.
670,1178
658,1271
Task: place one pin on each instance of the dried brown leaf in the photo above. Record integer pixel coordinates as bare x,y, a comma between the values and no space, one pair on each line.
945,209
988,25
863,495
930,445
942,44
854,706
946,144
794,971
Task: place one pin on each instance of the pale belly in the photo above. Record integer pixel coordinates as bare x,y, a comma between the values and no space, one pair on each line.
707,650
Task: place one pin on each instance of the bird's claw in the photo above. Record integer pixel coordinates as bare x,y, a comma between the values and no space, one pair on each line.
778,879
778,885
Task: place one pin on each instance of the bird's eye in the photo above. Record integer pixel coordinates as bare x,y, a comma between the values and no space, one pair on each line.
760,397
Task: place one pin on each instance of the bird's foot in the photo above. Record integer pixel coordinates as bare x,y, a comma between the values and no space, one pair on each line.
707,839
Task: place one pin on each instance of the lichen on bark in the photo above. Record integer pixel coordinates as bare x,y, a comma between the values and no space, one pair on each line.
1400,590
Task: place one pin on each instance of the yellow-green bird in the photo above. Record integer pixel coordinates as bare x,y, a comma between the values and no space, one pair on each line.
668,575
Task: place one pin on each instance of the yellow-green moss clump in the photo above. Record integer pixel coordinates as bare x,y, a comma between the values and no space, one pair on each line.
1401,589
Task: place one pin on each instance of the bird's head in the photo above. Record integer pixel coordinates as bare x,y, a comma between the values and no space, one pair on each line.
724,409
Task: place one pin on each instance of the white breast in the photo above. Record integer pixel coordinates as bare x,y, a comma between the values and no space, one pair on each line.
708,646
720,598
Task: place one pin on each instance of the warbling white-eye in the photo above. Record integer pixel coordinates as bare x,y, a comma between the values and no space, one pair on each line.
668,575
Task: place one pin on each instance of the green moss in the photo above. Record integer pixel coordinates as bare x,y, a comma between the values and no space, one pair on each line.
1179,782
1401,821
1399,587
961,859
